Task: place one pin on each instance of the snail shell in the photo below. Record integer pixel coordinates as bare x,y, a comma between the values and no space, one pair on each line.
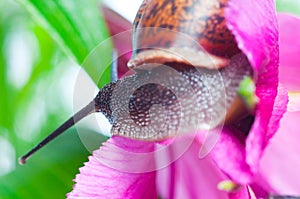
188,68
194,29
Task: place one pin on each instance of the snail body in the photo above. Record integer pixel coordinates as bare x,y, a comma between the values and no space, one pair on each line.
171,99
188,68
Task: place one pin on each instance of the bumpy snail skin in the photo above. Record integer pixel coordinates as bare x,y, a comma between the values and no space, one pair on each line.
174,98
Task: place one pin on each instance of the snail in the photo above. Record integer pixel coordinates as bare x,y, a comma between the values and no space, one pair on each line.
188,69
165,25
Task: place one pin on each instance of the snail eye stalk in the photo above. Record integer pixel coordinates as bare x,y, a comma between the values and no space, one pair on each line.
90,108
101,103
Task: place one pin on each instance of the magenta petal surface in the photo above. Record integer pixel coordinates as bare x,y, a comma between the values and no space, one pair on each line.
99,180
243,193
279,109
254,25
229,155
289,43
280,163
264,128
190,177
120,30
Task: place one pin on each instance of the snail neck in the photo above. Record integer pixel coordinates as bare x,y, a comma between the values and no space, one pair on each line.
103,100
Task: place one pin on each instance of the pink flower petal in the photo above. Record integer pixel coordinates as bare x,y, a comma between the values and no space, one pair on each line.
289,28
294,102
244,193
106,179
229,155
260,192
190,177
280,163
279,109
120,30
254,25
262,129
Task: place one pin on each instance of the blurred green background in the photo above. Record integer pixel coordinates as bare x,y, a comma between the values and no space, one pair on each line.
42,46
42,43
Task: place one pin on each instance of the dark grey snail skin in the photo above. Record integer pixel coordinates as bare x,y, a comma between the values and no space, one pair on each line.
171,99
162,101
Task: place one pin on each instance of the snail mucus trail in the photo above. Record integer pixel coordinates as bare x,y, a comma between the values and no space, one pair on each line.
164,101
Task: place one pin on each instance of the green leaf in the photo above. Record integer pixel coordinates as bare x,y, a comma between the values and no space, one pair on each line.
49,173
79,27
289,6
246,91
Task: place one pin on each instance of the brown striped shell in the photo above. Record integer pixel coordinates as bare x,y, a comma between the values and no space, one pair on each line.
188,31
